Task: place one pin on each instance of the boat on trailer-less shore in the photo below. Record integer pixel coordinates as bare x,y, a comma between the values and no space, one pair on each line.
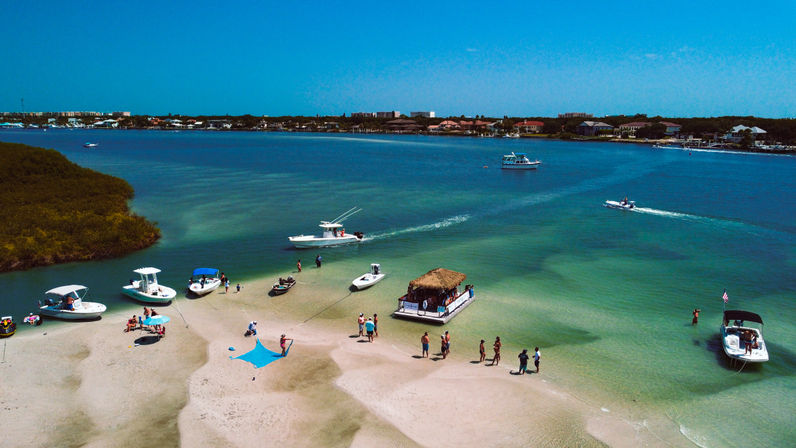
333,233
68,302
147,288
434,297
204,281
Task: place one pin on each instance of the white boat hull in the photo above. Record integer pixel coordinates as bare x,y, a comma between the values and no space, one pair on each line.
209,286
155,294
521,166
619,206
87,310
367,280
305,241
734,348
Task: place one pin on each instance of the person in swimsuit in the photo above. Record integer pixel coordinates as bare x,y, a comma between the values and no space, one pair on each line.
375,325
523,361
536,358
447,342
482,350
282,341
424,341
695,320
443,347
361,322
496,359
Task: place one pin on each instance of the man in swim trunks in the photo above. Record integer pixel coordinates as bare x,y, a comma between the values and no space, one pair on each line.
361,322
695,320
369,326
424,341
482,350
523,361
536,358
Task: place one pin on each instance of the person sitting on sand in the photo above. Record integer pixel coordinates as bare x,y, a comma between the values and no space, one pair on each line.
282,341
131,323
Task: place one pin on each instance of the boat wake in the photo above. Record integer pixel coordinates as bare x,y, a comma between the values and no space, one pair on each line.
453,220
668,214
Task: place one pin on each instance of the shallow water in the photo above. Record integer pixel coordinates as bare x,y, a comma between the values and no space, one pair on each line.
606,294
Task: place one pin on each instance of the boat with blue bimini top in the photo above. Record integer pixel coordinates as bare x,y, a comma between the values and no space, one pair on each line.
333,233
519,161
434,297
742,341
204,281
147,288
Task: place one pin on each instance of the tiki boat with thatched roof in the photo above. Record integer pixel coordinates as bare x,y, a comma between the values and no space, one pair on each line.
435,297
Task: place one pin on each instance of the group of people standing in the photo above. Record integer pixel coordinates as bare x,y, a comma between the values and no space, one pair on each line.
445,348
369,326
318,261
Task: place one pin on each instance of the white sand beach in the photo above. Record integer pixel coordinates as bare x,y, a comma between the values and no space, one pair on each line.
90,384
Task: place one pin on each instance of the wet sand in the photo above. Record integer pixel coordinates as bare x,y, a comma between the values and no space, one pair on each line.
89,384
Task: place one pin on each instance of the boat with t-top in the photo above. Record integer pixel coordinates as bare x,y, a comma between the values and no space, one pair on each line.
624,204
334,233
147,288
68,302
519,161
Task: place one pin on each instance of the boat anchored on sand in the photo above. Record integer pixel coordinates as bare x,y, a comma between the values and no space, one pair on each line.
624,204
333,233
434,297
743,342
147,288
204,281
68,303
519,161
283,285
370,278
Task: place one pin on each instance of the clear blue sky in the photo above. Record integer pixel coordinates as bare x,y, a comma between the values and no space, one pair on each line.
674,58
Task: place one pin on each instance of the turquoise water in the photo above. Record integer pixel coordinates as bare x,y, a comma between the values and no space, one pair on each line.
606,294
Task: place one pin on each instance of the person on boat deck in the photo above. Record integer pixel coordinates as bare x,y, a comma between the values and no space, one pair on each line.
70,303
624,201
747,338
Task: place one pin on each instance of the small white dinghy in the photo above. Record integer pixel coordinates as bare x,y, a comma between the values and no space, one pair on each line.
370,278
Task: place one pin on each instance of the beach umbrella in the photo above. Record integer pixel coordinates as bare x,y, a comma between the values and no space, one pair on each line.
156,320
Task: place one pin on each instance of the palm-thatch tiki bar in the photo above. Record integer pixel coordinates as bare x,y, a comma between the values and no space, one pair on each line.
435,297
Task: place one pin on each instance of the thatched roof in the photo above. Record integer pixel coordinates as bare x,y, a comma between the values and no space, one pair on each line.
438,278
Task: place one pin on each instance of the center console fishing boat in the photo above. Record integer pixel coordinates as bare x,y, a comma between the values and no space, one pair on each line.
147,288
624,204
68,302
333,233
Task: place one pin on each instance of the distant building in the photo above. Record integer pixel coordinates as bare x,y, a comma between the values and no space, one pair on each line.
529,127
671,128
634,126
736,133
575,115
403,125
391,114
120,114
449,125
592,128
363,115
428,114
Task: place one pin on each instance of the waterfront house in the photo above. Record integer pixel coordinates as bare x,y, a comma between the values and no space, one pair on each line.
671,128
529,127
402,125
592,128
736,133
632,127
449,125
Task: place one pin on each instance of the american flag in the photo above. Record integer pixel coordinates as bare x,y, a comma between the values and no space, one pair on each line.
725,296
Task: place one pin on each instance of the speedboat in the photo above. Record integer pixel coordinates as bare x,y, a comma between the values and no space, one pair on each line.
283,285
7,327
512,135
68,302
519,161
147,288
204,281
333,233
370,278
621,205
740,340
90,145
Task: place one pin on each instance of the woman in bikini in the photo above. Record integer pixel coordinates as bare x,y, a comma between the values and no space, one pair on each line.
282,341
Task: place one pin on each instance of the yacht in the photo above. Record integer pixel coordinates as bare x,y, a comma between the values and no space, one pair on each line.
68,302
334,233
519,161
742,341
147,288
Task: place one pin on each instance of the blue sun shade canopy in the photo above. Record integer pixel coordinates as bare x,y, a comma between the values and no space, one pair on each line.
261,356
206,271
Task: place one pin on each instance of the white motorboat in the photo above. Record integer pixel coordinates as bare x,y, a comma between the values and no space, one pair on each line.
621,205
68,302
370,278
147,288
740,340
512,135
90,145
519,161
204,281
333,233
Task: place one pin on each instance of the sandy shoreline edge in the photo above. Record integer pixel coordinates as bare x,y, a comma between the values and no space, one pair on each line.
89,384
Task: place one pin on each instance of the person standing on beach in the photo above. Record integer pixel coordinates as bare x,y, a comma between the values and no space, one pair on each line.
361,322
447,342
318,260
695,320
375,325
282,341
482,350
536,358
443,347
226,287
424,341
238,287
496,359
369,325
523,361
298,265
